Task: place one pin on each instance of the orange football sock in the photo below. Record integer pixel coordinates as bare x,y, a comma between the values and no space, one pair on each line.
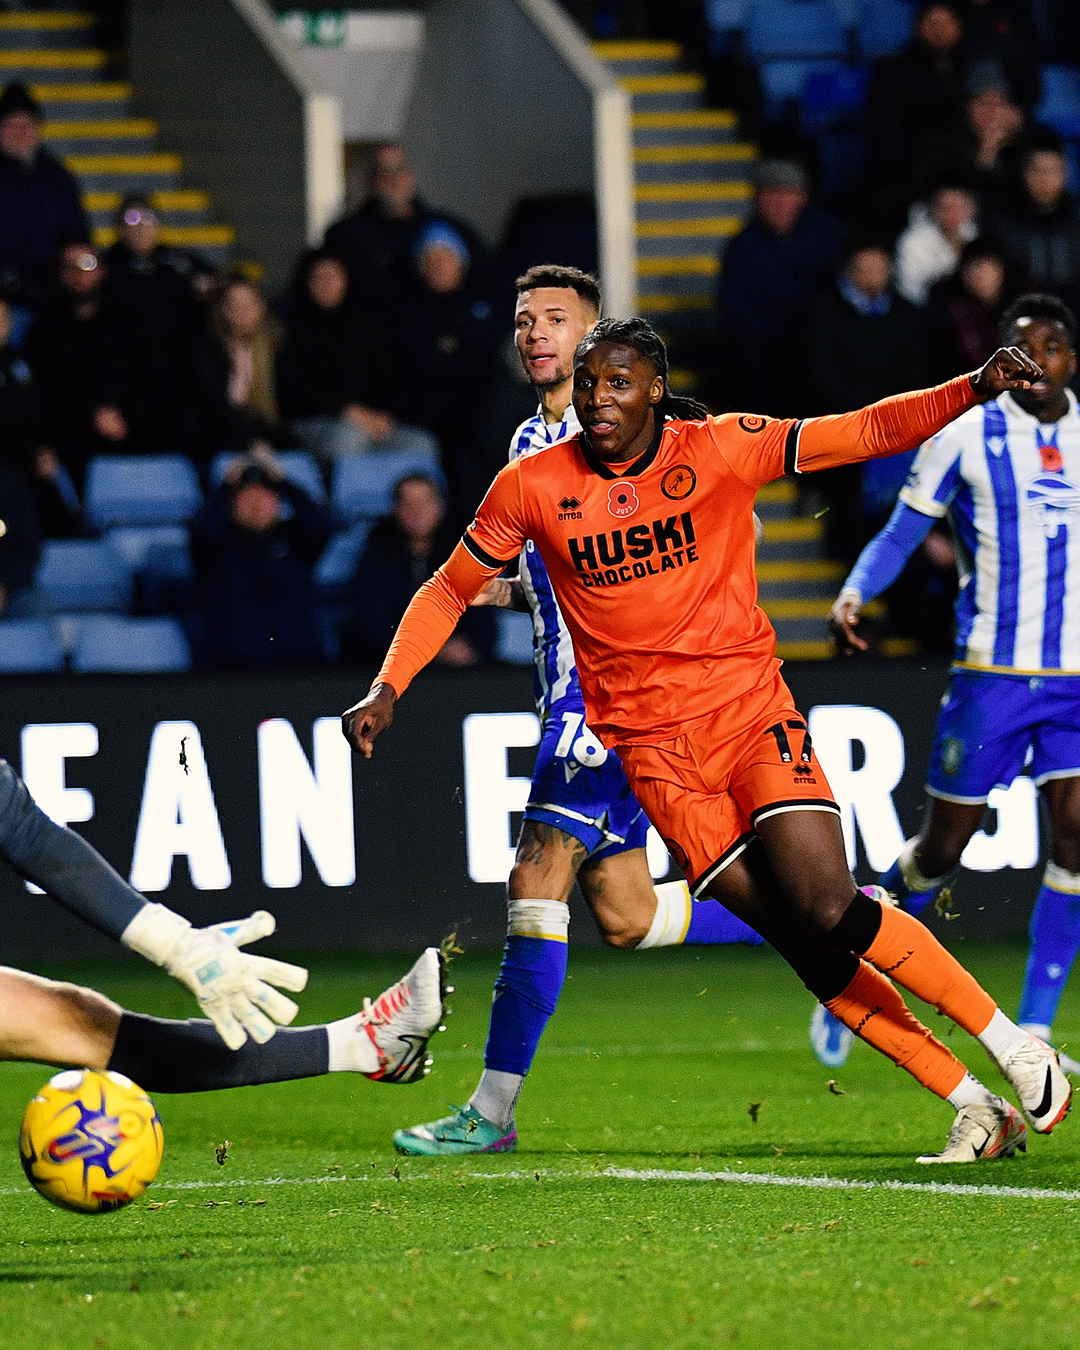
875,1011
908,953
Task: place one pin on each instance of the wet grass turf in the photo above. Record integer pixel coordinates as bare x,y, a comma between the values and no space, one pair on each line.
653,1062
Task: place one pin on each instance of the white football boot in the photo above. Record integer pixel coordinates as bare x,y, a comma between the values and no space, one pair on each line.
981,1132
402,1020
1032,1071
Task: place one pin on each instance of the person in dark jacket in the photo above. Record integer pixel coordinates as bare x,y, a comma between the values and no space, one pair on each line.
769,272
255,543
861,342
449,341
964,310
237,373
402,552
912,95
22,443
378,240
339,386
1040,233
68,350
40,204
151,308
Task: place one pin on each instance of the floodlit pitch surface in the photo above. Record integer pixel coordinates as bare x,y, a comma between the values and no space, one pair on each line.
605,1230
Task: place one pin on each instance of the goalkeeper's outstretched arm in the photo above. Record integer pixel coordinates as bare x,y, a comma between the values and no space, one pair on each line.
232,988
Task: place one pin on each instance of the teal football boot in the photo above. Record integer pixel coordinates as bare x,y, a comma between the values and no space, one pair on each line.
466,1131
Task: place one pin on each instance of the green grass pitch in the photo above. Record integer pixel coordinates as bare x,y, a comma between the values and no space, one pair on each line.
315,1234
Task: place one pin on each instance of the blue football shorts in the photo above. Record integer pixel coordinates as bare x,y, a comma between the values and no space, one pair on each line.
991,726
580,788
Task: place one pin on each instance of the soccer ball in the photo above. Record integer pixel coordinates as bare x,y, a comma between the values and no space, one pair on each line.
91,1142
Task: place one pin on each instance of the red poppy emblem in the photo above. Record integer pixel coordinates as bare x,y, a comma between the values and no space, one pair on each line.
622,499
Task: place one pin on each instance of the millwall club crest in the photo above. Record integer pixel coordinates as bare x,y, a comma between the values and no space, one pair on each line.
1053,502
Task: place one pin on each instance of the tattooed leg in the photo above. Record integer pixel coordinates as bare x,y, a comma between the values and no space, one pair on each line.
533,967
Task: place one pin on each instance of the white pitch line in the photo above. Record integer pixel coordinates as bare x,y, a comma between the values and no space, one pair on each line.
843,1183
596,1051
641,1174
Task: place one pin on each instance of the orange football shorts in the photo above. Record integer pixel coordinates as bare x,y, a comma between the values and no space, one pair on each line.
706,789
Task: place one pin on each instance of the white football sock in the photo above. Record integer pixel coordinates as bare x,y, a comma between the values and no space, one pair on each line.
496,1096
672,917
970,1092
1000,1035
1039,1029
351,1048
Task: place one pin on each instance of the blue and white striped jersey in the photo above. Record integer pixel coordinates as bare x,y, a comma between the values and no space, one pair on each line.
1011,490
556,676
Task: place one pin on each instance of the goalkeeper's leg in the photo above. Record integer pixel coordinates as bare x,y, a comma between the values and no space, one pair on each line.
74,1027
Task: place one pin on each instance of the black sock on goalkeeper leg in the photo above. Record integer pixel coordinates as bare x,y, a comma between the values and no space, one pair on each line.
169,1056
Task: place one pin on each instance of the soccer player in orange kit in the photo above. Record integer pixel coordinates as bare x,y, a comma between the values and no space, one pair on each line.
654,571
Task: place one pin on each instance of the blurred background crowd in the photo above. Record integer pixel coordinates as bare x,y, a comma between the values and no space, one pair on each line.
334,439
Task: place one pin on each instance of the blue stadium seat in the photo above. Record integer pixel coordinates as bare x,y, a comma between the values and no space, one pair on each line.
363,485
793,29
726,16
514,643
298,466
831,98
1059,106
108,642
29,646
784,81
152,548
337,566
141,490
81,574
884,28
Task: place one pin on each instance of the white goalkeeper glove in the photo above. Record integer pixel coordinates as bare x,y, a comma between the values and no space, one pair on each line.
232,987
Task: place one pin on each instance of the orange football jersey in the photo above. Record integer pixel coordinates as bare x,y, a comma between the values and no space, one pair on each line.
653,562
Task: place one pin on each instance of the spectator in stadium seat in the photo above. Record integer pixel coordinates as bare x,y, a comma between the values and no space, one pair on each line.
769,272
154,317
22,441
979,148
964,310
255,543
861,342
403,550
1000,42
338,381
67,350
40,204
448,338
929,248
378,240
911,96
237,375
1039,233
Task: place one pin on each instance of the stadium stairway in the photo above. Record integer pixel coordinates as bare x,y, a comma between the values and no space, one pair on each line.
90,126
796,582
691,182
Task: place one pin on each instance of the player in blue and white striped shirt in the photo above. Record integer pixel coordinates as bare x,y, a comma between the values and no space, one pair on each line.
1007,476
582,821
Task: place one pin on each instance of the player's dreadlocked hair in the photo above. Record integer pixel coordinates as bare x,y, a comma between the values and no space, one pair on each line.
643,338
1035,305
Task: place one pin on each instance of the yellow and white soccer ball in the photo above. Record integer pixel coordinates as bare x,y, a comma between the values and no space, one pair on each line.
91,1142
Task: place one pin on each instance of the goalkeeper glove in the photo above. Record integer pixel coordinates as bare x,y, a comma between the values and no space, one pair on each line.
232,987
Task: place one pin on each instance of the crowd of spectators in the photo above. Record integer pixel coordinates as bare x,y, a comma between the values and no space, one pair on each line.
388,342
841,289
954,200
